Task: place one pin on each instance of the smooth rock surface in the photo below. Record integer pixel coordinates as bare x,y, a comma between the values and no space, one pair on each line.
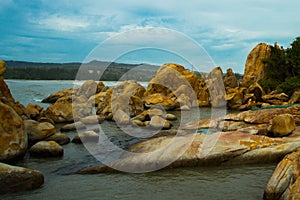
38,131
283,125
285,181
46,149
13,137
16,179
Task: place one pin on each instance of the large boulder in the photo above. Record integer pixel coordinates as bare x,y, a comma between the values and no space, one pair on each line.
68,109
230,80
88,89
52,98
285,181
216,87
283,125
180,76
255,68
2,67
5,91
16,179
38,131
13,137
234,98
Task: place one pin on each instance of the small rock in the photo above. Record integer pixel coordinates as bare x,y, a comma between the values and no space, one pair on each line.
138,122
60,138
158,122
38,131
16,179
46,149
171,117
93,119
72,127
282,125
88,136
121,117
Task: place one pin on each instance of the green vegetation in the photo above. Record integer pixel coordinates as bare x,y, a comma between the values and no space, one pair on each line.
283,69
95,70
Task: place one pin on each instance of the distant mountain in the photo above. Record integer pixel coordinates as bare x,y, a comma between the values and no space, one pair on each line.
95,70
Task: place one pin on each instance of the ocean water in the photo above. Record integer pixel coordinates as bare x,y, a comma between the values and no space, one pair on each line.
238,182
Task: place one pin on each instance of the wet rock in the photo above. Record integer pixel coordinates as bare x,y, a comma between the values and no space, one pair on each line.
88,136
59,138
285,181
33,111
52,98
92,119
46,149
223,148
65,110
230,80
72,127
13,137
282,125
16,179
38,131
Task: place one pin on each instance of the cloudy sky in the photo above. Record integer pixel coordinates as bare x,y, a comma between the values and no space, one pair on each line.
69,30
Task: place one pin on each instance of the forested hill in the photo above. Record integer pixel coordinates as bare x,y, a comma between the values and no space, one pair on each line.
68,71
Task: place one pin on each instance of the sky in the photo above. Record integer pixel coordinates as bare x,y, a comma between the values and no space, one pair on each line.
71,30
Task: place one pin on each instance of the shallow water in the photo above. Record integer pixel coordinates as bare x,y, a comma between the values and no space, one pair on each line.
239,182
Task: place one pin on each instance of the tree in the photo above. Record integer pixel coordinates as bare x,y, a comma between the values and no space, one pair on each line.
293,57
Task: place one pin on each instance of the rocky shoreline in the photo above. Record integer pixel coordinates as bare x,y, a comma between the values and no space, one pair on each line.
248,137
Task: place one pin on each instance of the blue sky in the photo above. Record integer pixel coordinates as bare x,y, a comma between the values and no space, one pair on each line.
68,30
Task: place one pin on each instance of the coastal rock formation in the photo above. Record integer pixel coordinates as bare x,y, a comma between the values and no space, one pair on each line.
285,181
46,149
88,89
59,94
68,109
16,179
2,67
13,137
230,80
216,88
235,139
295,98
33,111
275,99
38,131
255,68
164,91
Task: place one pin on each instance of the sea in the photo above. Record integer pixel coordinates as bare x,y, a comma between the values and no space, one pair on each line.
236,182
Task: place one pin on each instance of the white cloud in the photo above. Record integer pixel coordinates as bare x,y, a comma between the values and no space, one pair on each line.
63,23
